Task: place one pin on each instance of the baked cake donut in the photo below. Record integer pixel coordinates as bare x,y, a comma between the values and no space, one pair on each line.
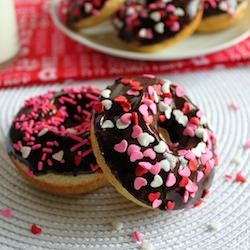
221,14
148,26
153,144
49,141
87,13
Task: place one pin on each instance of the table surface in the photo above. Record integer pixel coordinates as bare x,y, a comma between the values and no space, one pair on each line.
83,222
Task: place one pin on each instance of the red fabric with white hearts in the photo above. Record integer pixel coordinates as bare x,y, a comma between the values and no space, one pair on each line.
48,56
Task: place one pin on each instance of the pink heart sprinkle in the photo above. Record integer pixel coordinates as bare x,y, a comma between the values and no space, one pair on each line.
179,91
167,101
148,119
136,155
150,90
190,155
199,175
182,152
137,131
175,27
156,203
149,153
199,114
185,172
171,180
147,101
139,182
132,148
206,157
121,147
133,92
155,169
188,131
6,213
126,118
145,165
153,108
211,163
186,196
191,187
143,109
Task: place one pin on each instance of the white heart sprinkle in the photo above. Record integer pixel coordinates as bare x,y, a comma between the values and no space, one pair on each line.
162,107
107,124
172,160
201,133
156,97
159,28
166,87
88,7
25,152
161,147
179,12
121,125
107,104
106,93
157,181
58,156
168,112
156,16
165,165
43,132
199,149
143,33
145,139
180,117
214,225
183,161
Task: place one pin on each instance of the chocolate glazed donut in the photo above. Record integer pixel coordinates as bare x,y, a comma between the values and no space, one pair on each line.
49,141
150,25
153,144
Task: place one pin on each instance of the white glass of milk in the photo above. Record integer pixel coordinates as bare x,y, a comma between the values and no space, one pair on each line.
9,42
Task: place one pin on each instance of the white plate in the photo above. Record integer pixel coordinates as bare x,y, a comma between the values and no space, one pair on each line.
100,39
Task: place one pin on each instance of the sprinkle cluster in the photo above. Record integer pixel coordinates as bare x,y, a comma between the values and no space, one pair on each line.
220,6
166,171
51,132
79,9
148,22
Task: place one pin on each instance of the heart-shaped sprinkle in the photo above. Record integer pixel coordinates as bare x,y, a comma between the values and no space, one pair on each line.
150,153
179,91
186,108
133,92
148,119
199,176
191,187
136,155
139,182
171,180
154,196
199,149
190,155
183,182
159,27
162,106
120,124
161,147
189,131
6,213
145,165
179,12
126,118
206,157
145,139
25,152
121,147
153,108
184,172
107,124
180,117
170,205
132,148
186,196
155,169
193,165
156,203
107,104
165,165
58,156
166,87
35,229
157,181
155,16
140,171
143,109
106,93
137,131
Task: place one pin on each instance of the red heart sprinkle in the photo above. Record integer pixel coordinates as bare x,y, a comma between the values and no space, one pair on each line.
162,118
35,229
126,81
240,178
140,171
126,106
195,121
99,107
183,182
198,203
193,165
207,169
154,196
121,99
168,95
170,205
186,108
205,193
135,118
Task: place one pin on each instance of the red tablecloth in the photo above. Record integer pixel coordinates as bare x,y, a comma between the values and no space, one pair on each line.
48,56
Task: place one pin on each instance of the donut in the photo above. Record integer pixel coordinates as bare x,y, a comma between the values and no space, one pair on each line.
221,14
49,141
148,26
153,144
87,13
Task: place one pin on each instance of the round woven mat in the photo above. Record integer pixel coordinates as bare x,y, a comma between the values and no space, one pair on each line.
84,222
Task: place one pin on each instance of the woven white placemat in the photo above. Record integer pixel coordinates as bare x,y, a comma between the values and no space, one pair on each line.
83,222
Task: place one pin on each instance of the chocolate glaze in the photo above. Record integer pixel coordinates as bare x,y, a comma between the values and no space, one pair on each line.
80,9
175,16
217,7
125,170
75,114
